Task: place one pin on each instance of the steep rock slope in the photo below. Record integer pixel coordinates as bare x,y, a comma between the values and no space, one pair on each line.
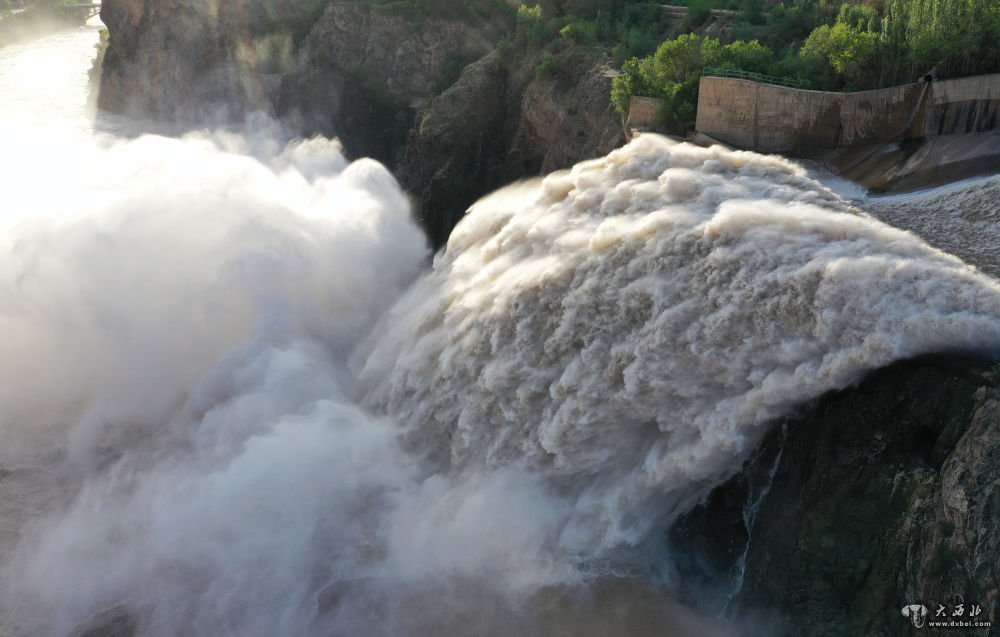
363,73
455,151
375,79
877,497
495,126
178,60
388,86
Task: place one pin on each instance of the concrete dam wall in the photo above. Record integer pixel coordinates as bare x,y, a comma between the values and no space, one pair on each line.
770,118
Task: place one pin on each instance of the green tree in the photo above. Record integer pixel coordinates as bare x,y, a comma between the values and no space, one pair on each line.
746,56
679,59
674,70
851,53
631,81
530,26
859,17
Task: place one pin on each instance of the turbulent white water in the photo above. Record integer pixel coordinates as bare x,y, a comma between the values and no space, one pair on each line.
235,400
962,219
627,328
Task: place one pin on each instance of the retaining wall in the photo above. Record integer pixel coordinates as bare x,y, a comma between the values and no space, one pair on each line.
643,112
772,118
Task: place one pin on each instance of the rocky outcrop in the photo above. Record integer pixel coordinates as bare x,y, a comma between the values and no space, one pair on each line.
454,154
365,72
563,120
398,54
495,126
389,86
875,498
179,60
370,77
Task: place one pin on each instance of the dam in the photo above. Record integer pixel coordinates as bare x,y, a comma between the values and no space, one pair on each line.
900,138
781,119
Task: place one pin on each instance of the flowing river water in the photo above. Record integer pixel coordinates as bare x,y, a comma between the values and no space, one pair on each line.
46,83
236,399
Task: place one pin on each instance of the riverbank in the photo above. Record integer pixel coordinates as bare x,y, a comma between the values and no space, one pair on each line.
35,22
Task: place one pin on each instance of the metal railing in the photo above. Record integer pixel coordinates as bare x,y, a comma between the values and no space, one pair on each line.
754,77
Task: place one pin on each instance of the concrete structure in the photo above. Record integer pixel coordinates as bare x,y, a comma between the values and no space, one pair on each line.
966,105
772,118
643,112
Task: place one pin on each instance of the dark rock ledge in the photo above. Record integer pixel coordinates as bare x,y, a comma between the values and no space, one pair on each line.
878,496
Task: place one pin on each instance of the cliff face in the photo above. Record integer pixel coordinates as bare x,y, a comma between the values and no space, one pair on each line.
455,152
388,86
402,56
877,497
563,120
494,126
363,74
375,79
177,60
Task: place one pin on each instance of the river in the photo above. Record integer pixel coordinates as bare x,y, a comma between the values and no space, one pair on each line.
46,82
238,398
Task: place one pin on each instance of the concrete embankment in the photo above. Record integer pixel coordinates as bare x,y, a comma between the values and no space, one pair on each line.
900,138
917,163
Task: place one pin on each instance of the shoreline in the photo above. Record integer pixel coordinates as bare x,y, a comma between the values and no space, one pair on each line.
35,22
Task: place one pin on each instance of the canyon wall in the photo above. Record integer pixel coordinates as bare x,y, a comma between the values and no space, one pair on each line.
403,91
178,60
874,498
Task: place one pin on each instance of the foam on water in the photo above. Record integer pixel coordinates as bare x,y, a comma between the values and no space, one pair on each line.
628,328
962,219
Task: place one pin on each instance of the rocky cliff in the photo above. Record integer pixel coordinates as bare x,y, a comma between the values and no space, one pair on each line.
434,100
402,90
178,60
877,497
363,74
495,126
